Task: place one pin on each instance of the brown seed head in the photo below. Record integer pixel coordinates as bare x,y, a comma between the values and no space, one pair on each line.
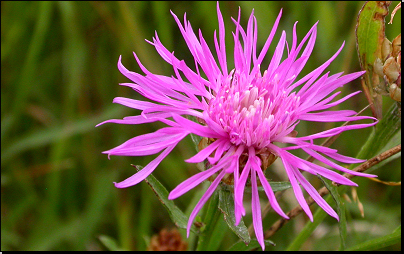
167,241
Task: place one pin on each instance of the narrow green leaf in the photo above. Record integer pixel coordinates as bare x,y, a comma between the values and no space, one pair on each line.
176,215
380,242
226,206
279,186
217,236
369,38
109,243
254,244
340,210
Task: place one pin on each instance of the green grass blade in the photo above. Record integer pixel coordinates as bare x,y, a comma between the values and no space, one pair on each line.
31,62
109,243
380,242
218,235
340,210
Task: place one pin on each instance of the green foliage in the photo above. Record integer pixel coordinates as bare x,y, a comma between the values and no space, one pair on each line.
307,230
176,215
380,242
109,243
58,80
253,245
342,225
384,135
226,206
211,218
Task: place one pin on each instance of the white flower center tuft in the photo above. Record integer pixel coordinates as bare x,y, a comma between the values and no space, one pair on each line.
253,110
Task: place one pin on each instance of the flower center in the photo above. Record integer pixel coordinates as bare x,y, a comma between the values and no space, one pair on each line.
252,109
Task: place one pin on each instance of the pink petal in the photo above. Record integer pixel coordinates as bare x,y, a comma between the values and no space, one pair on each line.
276,58
334,165
268,41
269,192
239,189
224,147
203,200
204,153
342,158
296,188
256,211
222,45
314,194
145,172
317,170
195,180
195,128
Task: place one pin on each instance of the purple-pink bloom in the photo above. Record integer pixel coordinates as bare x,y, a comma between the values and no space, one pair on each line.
243,111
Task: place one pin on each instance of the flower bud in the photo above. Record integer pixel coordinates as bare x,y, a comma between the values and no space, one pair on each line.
391,69
395,92
386,48
378,67
396,46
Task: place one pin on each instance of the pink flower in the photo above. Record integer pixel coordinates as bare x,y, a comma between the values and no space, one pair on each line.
243,111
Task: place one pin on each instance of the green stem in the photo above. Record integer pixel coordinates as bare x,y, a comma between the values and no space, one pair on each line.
211,216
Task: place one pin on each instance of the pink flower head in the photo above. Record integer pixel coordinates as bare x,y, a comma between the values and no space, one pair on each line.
244,112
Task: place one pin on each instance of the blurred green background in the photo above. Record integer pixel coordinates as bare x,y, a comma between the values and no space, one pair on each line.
58,79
